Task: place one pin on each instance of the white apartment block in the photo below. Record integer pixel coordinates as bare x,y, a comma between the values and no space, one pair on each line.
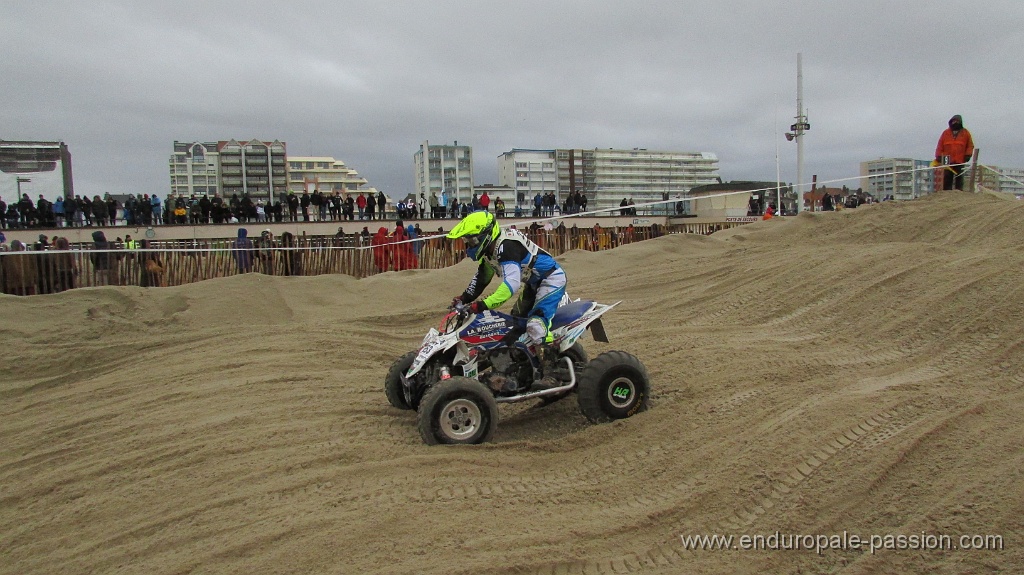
1006,180
899,178
195,169
324,173
229,168
527,173
607,176
444,168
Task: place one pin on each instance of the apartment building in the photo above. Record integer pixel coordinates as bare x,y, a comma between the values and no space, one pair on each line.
195,169
229,167
1006,180
898,178
324,173
607,176
527,173
447,168
255,168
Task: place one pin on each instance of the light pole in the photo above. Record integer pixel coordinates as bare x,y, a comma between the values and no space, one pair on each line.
797,133
20,182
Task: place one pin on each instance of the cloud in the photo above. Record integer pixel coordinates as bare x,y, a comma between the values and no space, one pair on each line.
367,81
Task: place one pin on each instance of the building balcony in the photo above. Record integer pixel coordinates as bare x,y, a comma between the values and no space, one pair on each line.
255,161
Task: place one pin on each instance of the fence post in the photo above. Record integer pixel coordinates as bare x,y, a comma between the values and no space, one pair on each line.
974,170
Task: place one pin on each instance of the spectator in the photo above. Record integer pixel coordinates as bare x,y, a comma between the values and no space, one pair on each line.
434,205
401,252
954,149
152,271
380,247
293,207
243,251
304,202
361,205
265,247
99,211
292,257
64,262
19,271
348,208
104,260
371,205
826,203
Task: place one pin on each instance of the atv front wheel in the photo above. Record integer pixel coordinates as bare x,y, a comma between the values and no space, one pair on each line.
614,385
458,410
393,387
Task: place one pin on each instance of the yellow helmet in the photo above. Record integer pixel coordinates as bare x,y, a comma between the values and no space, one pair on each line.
478,230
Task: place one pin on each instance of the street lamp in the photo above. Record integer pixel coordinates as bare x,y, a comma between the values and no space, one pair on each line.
797,132
20,182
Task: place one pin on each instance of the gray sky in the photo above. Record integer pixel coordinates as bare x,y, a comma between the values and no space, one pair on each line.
368,81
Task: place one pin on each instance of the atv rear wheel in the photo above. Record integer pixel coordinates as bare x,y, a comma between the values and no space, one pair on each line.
393,382
458,410
578,355
614,385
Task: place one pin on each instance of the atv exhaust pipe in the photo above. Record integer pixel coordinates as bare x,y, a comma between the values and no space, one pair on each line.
544,392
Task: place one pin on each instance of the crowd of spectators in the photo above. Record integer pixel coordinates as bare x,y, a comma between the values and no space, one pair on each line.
335,206
54,264
50,265
148,210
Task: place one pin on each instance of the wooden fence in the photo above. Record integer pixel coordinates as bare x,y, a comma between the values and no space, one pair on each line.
178,262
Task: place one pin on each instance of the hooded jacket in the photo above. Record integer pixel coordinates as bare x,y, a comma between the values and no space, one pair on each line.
959,146
243,251
100,261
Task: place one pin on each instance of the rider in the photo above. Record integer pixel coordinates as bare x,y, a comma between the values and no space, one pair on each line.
525,269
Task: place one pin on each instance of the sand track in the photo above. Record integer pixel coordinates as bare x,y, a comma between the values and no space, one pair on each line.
857,371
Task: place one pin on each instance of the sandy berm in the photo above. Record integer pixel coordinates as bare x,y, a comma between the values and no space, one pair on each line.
858,371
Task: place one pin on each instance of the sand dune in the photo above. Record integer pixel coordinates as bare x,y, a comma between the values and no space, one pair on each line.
853,372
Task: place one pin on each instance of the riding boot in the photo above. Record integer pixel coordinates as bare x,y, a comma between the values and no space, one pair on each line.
548,357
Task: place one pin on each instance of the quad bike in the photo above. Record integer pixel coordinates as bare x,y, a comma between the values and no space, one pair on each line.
475,361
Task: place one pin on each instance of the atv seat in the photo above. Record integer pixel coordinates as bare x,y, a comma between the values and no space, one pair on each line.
571,312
